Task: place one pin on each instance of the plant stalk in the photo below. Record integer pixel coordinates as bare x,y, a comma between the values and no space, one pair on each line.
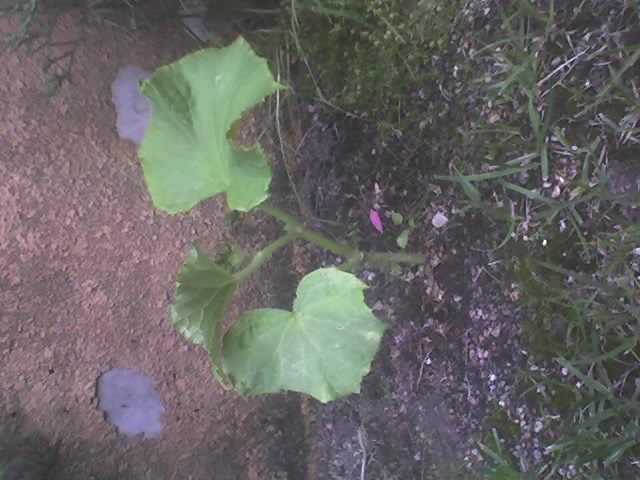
263,255
293,225
387,258
354,258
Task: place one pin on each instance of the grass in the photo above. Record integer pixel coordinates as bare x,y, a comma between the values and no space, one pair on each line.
594,315
549,137
363,56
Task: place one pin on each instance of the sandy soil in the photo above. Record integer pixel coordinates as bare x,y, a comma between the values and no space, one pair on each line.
86,276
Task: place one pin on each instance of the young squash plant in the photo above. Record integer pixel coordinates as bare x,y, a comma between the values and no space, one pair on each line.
324,346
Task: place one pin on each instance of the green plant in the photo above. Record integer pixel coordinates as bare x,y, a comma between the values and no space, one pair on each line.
403,238
325,345
503,467
364,56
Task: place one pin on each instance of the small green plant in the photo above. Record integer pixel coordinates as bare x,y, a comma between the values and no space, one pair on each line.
409,225
326,344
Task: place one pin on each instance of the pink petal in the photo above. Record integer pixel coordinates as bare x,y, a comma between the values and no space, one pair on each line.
375,220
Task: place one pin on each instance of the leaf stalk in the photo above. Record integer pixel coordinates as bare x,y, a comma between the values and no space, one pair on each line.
263,255
354,257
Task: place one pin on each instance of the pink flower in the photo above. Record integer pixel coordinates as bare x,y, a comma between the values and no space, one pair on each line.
375,220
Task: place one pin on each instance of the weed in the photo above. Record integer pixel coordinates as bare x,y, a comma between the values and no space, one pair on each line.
364,56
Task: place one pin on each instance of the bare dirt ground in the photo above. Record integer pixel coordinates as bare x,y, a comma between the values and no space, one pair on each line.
86,277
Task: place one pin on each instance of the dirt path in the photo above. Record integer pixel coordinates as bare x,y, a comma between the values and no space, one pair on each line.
86,273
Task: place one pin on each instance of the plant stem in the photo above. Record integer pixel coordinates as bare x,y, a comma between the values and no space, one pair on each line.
352,263
354,258
263,255
293,225
386,258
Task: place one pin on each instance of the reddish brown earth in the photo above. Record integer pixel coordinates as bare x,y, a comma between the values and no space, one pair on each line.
87,272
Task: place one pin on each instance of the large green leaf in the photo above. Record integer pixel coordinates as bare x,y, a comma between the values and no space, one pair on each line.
203,292
323,348
186,153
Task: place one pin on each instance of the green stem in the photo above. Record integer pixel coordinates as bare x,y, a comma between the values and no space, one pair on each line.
293,225
354,258
263,255
352,263
387,258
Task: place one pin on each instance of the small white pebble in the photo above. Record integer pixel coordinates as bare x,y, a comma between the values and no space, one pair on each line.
439,220
562,225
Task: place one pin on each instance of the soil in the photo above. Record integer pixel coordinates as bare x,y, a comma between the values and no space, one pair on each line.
452,351
87,272
624,179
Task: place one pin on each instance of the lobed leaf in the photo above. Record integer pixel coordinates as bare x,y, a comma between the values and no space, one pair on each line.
186,153
203,292
323,348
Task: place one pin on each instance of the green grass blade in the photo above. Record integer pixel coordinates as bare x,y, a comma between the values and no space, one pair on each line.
505,172
586,379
